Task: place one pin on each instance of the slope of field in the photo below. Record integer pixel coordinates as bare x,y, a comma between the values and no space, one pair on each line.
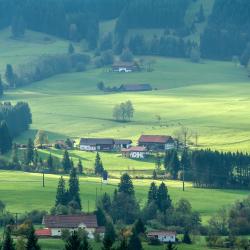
23,192
211,98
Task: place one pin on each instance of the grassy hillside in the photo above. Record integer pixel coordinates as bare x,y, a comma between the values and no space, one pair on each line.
23,191
211,98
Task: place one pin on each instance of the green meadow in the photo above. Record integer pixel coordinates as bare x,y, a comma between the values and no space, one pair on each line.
23,192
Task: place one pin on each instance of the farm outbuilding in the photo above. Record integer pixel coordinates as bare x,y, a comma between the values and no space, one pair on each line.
163,236
135,152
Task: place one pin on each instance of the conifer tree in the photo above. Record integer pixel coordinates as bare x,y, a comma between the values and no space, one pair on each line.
71,49
186,238
1,87
126,185
30,152
50,163
134,242
73,242
61,193
85,244
152,193
109,236
139,227
15,158
32,241
8,243
74,190
80,167
163,199
5,138
98,165
171,246
9,75
66,163
123,244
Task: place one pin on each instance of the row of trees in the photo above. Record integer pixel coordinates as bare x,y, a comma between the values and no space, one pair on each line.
208,168
123,112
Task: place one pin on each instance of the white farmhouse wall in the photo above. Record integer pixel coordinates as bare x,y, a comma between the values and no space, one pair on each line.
137,155
87,148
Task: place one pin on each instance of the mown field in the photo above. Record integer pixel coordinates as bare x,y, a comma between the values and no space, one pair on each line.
23,192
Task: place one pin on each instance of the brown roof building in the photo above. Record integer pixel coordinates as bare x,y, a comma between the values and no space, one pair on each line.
136,87
157,142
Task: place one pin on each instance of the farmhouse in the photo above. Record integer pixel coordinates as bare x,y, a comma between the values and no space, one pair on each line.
55,224
125,67
157,142
163,236
103,144
136,87
134,152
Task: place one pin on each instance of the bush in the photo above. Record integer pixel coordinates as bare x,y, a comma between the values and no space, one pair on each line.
154,242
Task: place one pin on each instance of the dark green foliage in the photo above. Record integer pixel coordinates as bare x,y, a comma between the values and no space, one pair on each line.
74,242
50,163
10,76
173,164
15,158
152,193
66,163
163,199
32,241
30,152
80,167
123,244
74,191
85,244
109,236
139,227
126,186
123,112
71,49
106,202
8,243
61,194
186,238
134,242
100,216
98,165
5,138
171,246
1,87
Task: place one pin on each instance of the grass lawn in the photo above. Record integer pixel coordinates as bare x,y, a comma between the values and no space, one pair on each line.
23,192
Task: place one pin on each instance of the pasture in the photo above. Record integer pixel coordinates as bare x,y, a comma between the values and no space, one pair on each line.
23,192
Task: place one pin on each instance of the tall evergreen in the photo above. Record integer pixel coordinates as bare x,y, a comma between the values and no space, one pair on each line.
8,243
1,87
66,163
74,190
171,246
85,244
74,242
152,193
134,242
123,244
9,75
30,152
80,167
126,185
32,240
50,163
61,194
139,227
98,165
15,158
163,199
5,138
109,236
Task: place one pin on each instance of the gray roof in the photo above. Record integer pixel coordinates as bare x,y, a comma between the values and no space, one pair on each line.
96,141
125,141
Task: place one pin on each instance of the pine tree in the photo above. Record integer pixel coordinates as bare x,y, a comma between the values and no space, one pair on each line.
134,242
36,158
126,185
50,163
73,242
109,236
74,190
15,159
152,193
61,193
186,238
123,244
32,241
98,165
171,246
139,227
174,165
85,244
163,199
106,202
71,49
1,87
9,75
66,163
8,243
80,167
30,152
5,138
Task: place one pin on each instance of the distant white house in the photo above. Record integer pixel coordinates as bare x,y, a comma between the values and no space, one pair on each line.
163,236
55,224
134,152
125,67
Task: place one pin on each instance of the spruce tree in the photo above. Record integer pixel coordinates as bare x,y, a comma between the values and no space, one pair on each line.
98,165
139,227
66,163
74,190
61,193
1,87
152,193
15,158
123,244
50,163
9,75
186,238
5,138
134,242
171,246
126,185
74,242
85,244
109,236
30,152
163,199
8,243
32,240
174,165
80,167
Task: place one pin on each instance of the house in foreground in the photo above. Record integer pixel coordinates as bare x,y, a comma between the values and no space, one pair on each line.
55,224
157,142
134,152
103,144
162,236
